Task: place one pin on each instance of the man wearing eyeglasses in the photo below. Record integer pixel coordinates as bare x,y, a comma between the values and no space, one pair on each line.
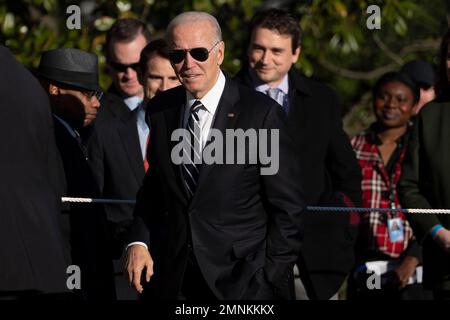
212,231
118,144
70,78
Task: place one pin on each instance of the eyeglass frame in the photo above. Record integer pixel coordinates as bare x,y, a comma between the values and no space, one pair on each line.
85,92
92,93
186,51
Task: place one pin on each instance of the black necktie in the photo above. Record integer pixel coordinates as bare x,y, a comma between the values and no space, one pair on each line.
193,150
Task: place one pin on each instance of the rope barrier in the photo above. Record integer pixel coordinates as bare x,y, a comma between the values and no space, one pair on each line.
362,210
309,208
91,200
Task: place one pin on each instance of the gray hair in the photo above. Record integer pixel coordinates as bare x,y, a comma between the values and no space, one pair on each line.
195,16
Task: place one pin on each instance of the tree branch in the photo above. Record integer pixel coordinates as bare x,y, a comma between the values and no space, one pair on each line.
418,46
422,45
386,50
359,75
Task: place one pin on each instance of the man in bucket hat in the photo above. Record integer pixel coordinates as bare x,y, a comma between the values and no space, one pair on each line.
70,78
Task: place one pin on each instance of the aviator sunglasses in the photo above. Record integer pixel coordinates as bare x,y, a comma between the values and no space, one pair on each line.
199,54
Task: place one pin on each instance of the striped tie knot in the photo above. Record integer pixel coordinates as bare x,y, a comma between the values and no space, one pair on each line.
196,106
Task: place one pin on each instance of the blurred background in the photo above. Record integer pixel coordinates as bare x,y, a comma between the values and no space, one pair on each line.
337,46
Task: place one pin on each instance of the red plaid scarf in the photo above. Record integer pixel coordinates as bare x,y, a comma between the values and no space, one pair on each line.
376,188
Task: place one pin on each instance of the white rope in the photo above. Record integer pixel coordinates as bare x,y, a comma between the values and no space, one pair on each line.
309,208
361,210
91,200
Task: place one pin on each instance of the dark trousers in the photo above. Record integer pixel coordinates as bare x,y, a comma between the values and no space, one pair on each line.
357,290
194,287
441,295
32,295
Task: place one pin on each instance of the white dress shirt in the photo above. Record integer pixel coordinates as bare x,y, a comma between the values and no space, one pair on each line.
206,113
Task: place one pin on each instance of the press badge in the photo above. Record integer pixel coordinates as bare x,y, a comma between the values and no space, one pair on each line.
395,228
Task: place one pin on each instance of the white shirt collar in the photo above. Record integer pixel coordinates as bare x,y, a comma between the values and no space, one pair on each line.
211,99
263,87
71,130
133,102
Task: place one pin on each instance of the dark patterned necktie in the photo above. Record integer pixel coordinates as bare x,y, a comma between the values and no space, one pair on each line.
193,150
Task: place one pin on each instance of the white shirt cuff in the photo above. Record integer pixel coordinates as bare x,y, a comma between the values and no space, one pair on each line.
136,242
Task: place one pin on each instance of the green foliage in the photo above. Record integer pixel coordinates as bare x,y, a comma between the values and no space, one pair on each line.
337,47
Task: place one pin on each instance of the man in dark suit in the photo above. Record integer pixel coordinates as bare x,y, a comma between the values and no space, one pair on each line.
32,259
118,143
70,77
213,231
331,175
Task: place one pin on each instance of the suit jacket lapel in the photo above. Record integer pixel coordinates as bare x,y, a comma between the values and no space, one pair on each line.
298,104
225,118
69,135
130,140
174,120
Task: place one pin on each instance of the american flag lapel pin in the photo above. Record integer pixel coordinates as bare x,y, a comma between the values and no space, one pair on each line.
230,115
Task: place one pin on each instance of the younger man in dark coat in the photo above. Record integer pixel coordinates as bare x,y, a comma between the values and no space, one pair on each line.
331,175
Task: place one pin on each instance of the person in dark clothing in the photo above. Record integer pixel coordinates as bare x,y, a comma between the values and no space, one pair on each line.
425,181
33,261
118,144
213,230
70,78
331,175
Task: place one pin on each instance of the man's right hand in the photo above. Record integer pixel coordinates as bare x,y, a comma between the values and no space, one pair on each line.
443,239
138,258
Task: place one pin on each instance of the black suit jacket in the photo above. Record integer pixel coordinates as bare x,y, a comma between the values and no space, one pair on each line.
88,236
243,227
331,176
32,182
117,163
425,184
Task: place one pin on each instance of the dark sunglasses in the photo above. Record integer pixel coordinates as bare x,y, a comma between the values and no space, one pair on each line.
120,67
199,54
